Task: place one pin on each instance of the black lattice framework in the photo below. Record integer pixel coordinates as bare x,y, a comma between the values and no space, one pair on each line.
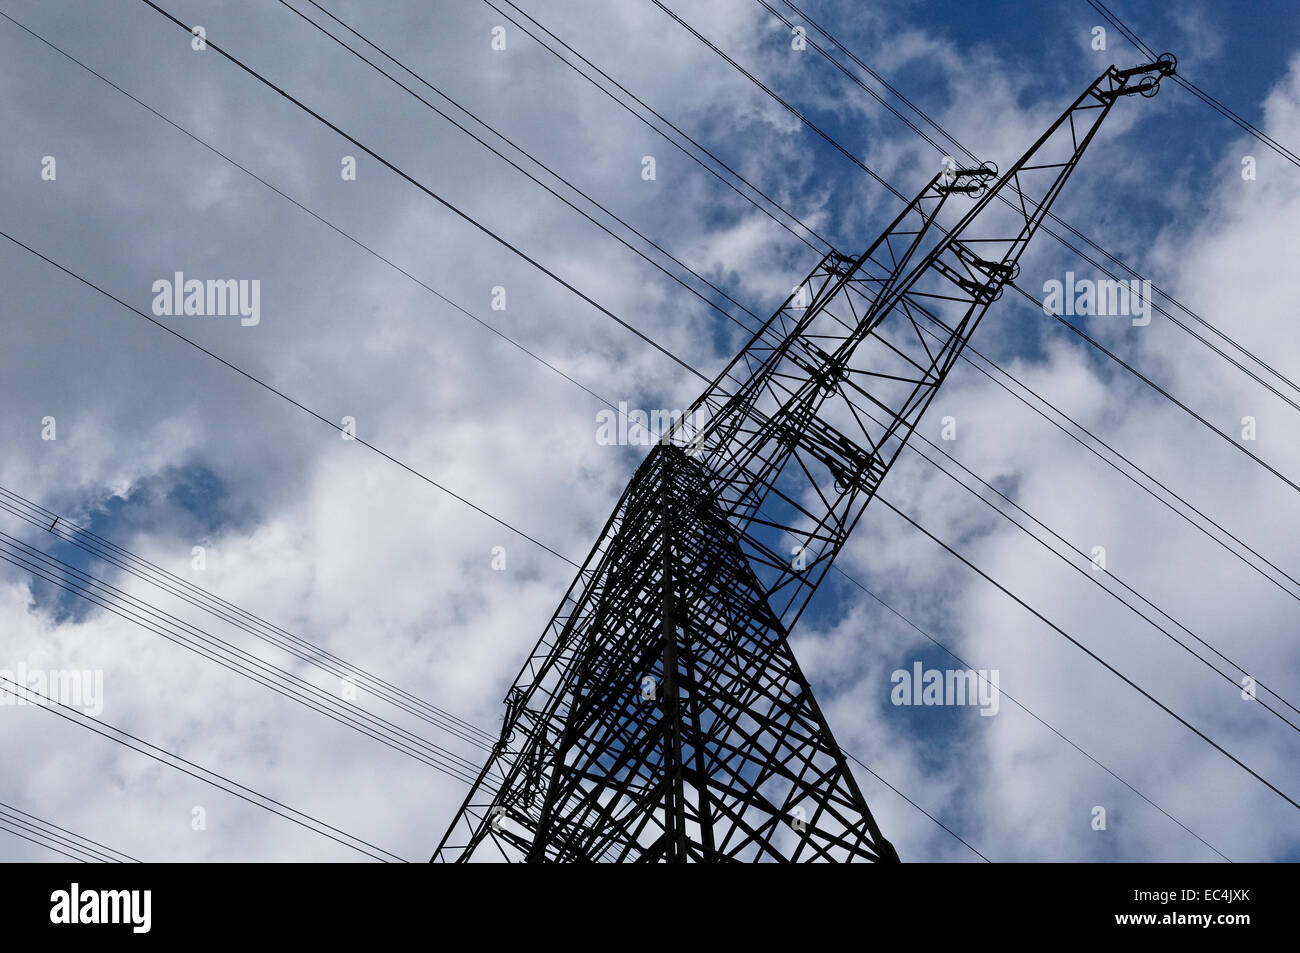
662,715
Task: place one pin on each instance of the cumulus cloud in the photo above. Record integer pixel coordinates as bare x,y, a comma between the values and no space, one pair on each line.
323,537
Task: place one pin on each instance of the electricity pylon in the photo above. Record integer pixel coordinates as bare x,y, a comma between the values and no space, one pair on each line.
662,716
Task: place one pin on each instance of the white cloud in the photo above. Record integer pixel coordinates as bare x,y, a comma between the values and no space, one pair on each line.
379,567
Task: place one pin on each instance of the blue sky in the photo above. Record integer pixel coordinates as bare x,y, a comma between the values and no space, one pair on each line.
161,449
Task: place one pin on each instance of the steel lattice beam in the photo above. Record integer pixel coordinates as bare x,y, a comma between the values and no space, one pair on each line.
662,715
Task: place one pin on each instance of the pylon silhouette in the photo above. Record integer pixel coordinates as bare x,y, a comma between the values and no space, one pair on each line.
662,715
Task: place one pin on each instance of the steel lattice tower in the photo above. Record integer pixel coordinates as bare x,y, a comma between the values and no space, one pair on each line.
662,716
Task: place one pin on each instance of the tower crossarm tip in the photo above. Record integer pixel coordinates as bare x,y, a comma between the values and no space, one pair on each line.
1119,82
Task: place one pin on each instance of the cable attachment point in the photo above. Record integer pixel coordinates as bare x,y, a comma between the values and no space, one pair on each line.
1152,73
973,182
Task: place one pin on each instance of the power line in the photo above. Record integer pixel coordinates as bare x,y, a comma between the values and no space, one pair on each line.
283,396
1094,656
1129,462
258,76
789,108
640,483
1162,392
634,98
53,836
330,226
56,582
658,247
1196,91
1097,581
655,345
656,1
514,249
215,151
66,577
401,85
207,776
1024,529
1109,462
1026,709
901,197
215,357
387,55
556,370
45,842
862,764
67,531
1050,213
931,318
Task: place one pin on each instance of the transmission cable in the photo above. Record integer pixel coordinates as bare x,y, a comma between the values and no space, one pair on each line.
65,530
677,145
971,348
50,834
1025,708
330,224
1050,214
1097,581
68,578
863,765
1196,91
1093,655
901,197
766,89
519,168
281,394
207,776
465,216
387,55
56,582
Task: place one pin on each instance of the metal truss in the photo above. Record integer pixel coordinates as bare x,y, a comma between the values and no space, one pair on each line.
662,715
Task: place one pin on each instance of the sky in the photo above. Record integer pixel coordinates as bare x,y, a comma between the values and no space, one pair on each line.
377,305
